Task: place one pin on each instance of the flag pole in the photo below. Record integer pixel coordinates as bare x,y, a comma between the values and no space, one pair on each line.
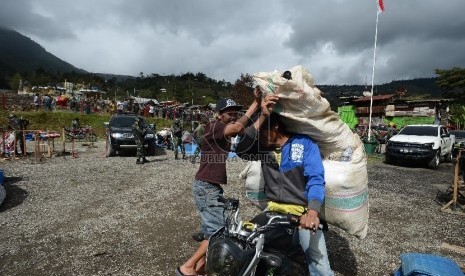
373,79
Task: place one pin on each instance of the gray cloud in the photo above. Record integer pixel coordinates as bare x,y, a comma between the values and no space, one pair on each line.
332,38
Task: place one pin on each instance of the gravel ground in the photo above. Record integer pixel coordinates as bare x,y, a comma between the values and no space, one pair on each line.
93,215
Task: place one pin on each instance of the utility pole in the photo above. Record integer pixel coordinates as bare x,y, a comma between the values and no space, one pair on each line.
192,92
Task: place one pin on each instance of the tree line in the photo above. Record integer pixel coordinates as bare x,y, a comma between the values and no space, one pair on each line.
184,88
199,89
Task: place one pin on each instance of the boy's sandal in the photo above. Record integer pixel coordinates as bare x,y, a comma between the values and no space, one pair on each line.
179,272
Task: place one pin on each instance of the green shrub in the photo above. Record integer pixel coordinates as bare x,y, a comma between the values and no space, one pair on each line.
57,120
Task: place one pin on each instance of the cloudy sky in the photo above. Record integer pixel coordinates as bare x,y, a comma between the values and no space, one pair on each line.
333,39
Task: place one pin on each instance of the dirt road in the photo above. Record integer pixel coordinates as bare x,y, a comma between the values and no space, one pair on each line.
93,215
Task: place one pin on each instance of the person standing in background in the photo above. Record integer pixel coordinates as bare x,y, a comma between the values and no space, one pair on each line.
36,102
176,129
198,135
139,130
18,125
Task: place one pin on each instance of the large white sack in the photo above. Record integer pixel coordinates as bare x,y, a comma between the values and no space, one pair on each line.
305,111
346,198
254,184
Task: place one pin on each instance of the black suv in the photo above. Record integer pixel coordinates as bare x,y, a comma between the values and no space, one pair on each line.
119,134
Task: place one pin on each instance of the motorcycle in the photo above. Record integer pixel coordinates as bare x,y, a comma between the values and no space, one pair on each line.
267,245
164,139
83,133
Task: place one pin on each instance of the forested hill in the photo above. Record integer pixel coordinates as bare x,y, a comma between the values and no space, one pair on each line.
415,87
19,53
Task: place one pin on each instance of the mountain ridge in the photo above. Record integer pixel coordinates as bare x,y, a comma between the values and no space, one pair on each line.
20,54
25,55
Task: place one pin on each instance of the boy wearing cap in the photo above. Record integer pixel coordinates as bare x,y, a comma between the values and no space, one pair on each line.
211,175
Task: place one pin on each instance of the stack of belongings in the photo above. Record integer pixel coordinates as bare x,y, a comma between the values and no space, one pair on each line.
305,111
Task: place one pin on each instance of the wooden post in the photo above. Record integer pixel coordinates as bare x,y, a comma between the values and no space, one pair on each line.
36,144
3,142
456,181
14,144
454,201
73,151
47,137
107,137
64,139
24,143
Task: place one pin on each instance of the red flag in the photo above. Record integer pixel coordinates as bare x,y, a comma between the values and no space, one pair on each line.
380,6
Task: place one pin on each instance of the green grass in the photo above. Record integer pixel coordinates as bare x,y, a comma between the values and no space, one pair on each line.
56,120
375,158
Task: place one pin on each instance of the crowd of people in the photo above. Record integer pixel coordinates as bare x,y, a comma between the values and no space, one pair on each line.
48,102
149,108
169,112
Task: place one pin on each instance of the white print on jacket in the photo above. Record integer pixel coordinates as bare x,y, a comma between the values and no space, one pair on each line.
297,152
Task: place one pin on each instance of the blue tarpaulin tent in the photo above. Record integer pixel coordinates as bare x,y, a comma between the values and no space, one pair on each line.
190,149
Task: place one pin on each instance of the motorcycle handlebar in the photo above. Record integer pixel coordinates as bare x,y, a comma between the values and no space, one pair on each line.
222,199
295,220
229,202
289,219
225,200
283,219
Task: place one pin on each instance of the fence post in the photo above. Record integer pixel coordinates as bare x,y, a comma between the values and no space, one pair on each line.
3,142
64,139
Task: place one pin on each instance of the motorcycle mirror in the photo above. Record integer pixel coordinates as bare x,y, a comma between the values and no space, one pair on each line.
271,259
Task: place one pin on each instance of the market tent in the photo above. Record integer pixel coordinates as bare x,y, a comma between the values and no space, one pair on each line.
167,103
212,106
91,93
151,102
145,100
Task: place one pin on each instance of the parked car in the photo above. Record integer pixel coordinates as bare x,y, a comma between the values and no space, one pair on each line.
119,134
421,143
459,140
